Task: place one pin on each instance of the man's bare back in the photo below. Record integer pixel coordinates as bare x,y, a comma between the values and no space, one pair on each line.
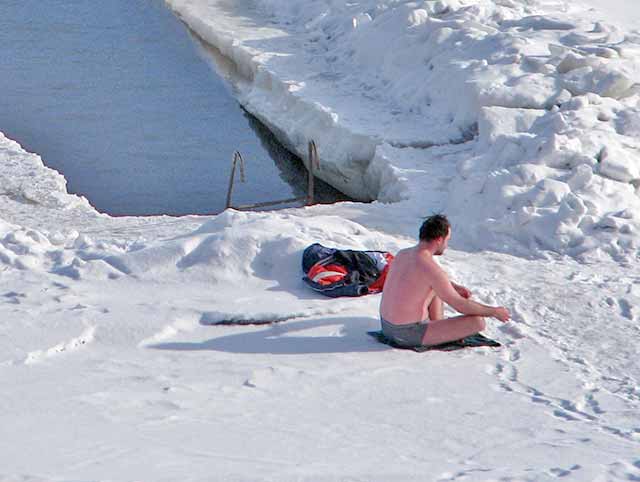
407,289
416,287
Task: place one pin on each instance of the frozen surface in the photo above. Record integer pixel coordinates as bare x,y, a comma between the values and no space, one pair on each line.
116,370
124,103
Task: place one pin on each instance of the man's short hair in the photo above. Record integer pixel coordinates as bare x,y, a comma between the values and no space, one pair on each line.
434,227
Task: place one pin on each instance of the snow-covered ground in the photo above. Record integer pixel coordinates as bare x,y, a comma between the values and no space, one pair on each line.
518,118
620,12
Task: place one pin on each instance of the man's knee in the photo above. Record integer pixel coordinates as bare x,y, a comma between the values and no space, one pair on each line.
478,323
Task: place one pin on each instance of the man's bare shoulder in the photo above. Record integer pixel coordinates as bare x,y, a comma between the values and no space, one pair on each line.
404,252
429,264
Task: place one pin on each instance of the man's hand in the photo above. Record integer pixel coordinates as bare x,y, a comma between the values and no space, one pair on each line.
462,291
502,314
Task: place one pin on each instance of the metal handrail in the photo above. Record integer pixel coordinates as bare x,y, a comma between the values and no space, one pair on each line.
236,157
314,163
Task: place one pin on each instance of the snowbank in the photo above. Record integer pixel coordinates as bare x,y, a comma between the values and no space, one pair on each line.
544,95
24,178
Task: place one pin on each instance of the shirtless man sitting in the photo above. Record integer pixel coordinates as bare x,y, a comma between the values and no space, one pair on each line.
411,309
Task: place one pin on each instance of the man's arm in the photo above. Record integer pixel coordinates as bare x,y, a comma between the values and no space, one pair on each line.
445,290
461,290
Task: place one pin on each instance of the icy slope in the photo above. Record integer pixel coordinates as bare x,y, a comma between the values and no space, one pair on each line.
544,95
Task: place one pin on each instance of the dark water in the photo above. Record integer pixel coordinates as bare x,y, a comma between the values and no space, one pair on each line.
116,95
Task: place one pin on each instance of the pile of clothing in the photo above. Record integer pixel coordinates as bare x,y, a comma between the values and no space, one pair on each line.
344,272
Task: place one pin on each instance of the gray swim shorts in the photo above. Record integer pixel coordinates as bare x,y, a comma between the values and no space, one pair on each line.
408,335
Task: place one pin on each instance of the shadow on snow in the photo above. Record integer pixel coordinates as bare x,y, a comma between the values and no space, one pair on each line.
284,339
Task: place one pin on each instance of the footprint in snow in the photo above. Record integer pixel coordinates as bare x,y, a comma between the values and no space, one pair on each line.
14,297
560,472
626,309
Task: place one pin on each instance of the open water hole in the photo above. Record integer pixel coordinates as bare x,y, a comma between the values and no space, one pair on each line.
117,96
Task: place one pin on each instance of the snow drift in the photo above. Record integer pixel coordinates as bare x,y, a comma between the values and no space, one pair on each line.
544,95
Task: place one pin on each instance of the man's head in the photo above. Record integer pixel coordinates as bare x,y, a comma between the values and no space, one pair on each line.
436,230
